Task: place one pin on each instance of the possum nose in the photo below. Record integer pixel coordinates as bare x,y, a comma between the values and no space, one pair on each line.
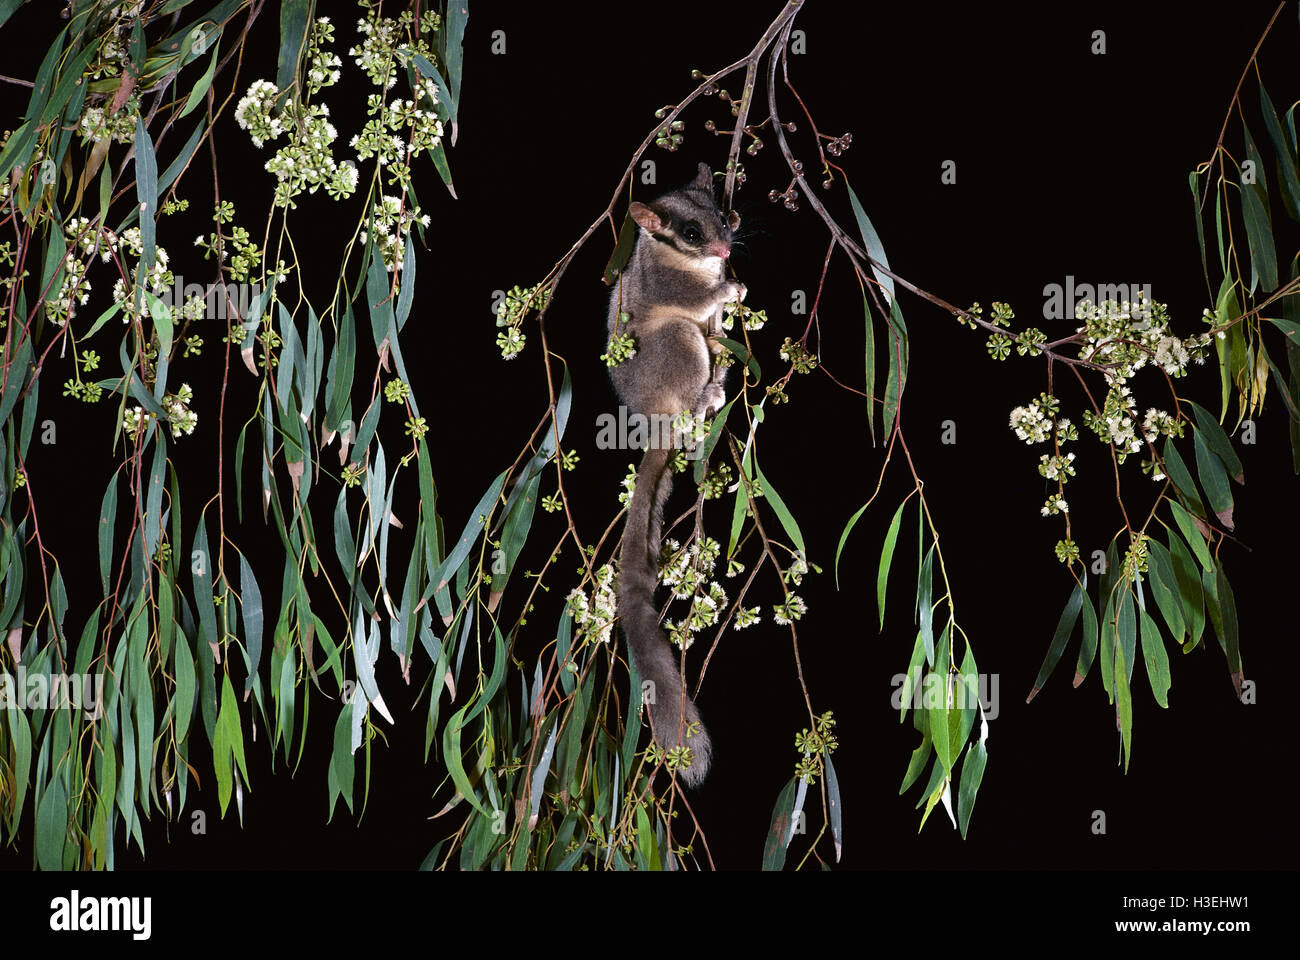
720,250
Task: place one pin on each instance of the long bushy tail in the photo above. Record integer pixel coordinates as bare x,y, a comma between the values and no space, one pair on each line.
670,709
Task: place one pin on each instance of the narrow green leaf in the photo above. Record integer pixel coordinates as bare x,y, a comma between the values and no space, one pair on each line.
228,746
251,609
1177,471
438,154
1064,628
870,365
152,530
871,243
1228,617
844,536
1164,586
406,296
898,362
19,370
938,710
1124,702
920,756
294,23
342,772
1157,661
1192,533
183,665
1194,182
1218,441
1254,210
911,679
52,824
622,250
1288,327
741,352
146,192
1088,648
1286,157
454,52
201,88
924,585
177,166
18,149
342,366
836,807
710,441
469,535
972,773
886,558
107,526
1225,311
780,829
56,255
21,737
1214,480
8,8
455,761
445,107
1126,633
502,657
1190,593
782,511
517,525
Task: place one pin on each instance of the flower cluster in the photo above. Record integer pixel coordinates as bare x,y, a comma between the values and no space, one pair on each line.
1117,424
791,609
256,113
750,319
1033,424
177,407
1158,423
1135,558
306,162
1055,504
621,347
247,255
1124,336
628,483
322,66
594,615
689,429
1056,468
798,356
688,572
511,312
716,482
179,414
391,221
390,42
96,124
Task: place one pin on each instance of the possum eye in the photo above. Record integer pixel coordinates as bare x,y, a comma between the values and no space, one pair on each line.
691,233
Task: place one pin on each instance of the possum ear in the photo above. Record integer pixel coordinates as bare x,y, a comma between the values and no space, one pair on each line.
704,178
733,221
645,217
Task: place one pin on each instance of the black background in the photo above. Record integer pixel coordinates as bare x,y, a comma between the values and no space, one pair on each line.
1067,163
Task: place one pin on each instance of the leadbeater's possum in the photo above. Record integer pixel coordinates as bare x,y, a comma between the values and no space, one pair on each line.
668,300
